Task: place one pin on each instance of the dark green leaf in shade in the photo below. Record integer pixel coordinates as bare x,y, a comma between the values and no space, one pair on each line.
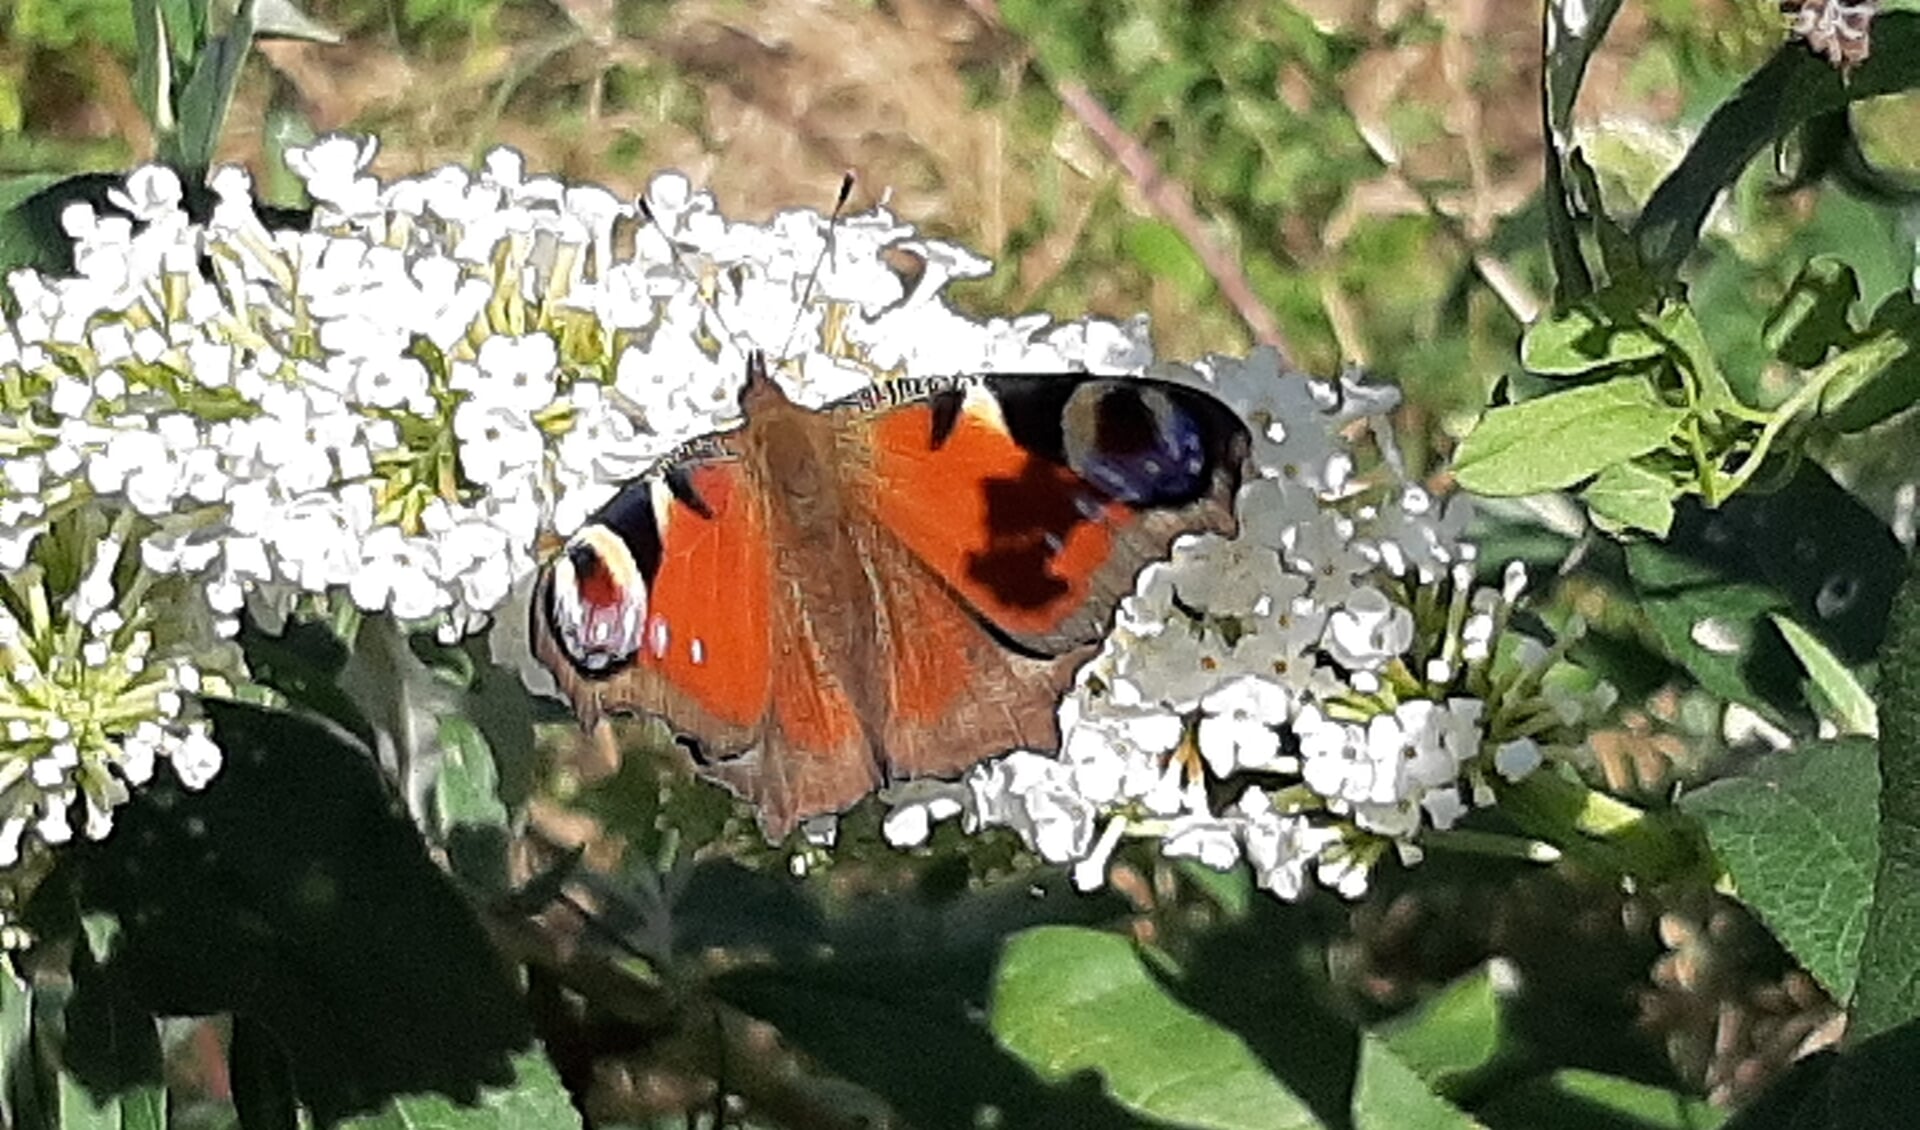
1792,87
1070,1000
1574,31
1866,1084
294,890
1557,440
261,1078
1808,548
1797,833
1630,496
918,973
30,208
16,1030
1717,628
1889,993
1812,317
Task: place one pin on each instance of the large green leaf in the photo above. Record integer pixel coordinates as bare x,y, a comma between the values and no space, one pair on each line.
1556,440
1890,958
896,1008
1069,1000
1586,1100
1452,1035
1073,1002
294,890
1797,834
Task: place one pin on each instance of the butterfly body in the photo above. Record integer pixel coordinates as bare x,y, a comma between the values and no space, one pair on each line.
825,600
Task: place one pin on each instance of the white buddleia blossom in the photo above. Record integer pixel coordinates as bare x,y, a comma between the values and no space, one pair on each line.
392,401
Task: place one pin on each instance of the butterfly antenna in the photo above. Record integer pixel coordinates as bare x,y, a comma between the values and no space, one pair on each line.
686,268
813,277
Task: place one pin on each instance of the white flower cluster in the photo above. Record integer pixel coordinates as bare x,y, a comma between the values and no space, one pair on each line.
396,401
93,693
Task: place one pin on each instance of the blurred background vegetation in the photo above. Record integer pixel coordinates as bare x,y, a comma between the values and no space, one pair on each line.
1369,170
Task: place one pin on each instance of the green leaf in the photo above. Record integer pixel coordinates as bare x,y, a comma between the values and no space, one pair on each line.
1573,1099
1884,378
1688,347
1563,437
465,790
1070,1000
16,1033
294,889
1390,1095
1598,333
535,1098
1851,706
1631,496
1890,957
1451,1035
915,971
203,102
1811,318
1797,834
153,70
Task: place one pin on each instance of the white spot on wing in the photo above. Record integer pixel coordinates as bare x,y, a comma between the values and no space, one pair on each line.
698,651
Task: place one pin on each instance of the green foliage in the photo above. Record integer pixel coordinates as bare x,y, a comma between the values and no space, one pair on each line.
1796,834
1070,1000
1889,958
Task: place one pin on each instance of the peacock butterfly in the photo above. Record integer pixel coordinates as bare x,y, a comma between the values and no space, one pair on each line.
900,584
